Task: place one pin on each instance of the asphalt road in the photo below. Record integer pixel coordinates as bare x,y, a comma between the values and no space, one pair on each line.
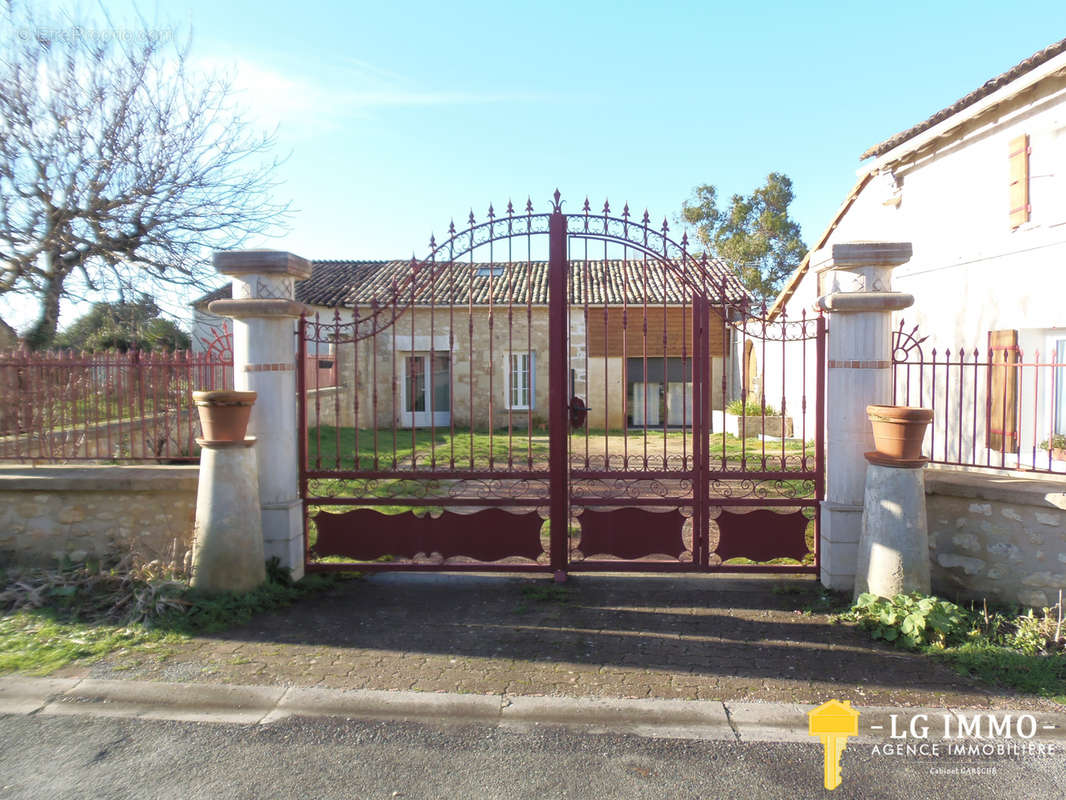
101,757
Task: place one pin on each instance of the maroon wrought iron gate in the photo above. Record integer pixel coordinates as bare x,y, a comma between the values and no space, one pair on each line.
436,447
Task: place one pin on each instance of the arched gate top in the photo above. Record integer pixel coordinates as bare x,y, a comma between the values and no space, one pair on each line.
699,273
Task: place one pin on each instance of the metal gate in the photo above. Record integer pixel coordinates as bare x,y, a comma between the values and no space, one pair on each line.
550,392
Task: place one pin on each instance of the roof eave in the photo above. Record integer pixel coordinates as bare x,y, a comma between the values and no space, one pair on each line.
946,127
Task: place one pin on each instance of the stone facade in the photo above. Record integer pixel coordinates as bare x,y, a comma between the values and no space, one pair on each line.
479,351
80,512
997,536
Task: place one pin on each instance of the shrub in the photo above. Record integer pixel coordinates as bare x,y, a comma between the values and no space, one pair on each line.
751,409
1057,442
911,620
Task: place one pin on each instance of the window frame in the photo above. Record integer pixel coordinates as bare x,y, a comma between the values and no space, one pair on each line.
530,385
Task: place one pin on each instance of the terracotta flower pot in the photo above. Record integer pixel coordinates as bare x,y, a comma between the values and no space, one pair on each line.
224,415
899,430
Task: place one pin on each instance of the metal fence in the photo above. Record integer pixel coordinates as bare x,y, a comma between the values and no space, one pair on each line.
65,406
1000,408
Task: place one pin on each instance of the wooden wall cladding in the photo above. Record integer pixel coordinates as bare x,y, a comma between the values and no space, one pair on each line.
606,337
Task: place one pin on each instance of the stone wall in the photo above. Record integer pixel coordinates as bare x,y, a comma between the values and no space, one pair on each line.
98,511
997,536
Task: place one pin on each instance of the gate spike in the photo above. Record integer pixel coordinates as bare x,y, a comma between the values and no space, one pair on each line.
451,227
585,208
510,207
684,239
666,226
492,214
606,207
432,242
557,202
529,205
471,220
646,218
625,211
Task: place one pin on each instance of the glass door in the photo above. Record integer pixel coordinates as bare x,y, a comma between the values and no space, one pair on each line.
426,390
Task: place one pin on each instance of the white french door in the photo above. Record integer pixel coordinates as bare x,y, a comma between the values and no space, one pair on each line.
425,387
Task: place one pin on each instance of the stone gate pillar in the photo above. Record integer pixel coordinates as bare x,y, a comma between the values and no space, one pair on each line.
858,297
263,309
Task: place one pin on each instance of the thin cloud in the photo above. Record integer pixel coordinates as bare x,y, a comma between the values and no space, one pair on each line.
300,105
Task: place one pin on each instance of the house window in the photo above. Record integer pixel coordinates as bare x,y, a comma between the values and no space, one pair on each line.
522,381
490,271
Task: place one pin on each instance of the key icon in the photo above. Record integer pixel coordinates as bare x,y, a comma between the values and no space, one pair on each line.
833,723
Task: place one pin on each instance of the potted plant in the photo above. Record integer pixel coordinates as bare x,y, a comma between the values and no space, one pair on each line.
224,414
899,430
1057,445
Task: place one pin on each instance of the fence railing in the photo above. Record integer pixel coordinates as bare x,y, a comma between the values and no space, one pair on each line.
66,406
1000,408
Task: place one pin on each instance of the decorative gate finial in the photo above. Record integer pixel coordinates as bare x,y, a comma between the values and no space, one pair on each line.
557,204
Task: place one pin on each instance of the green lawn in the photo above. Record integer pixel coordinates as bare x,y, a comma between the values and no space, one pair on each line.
337,448
423,448
51,618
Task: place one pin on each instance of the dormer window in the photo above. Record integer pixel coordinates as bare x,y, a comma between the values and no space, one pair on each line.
490,271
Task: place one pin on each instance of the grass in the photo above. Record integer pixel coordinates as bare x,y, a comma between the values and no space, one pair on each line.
1040,674
331,448
1008,647
37,643
52,618
403,448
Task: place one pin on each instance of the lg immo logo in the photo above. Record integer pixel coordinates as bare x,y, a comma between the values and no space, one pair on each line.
833,723
921,734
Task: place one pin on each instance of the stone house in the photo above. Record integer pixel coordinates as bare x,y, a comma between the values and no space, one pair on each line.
472,346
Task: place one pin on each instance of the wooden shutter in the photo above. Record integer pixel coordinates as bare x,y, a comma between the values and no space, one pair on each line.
1003,357
1019,180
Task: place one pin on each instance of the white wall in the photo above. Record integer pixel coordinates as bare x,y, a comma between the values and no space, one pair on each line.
788,368
970,272
202,325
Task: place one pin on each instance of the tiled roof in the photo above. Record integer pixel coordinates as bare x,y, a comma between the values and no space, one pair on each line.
986,89
350,283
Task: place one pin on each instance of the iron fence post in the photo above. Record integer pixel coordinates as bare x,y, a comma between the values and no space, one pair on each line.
558,366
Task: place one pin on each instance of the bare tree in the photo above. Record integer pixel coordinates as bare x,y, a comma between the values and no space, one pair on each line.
120,167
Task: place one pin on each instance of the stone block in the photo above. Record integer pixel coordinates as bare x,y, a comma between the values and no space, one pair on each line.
971,566
893,553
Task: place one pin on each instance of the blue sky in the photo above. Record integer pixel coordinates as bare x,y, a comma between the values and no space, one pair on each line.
398,116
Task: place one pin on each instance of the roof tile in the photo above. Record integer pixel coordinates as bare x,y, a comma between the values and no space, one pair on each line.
350,283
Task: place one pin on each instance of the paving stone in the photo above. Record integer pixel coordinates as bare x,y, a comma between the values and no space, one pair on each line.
706,637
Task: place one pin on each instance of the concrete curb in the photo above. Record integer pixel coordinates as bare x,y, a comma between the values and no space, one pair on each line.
682,719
